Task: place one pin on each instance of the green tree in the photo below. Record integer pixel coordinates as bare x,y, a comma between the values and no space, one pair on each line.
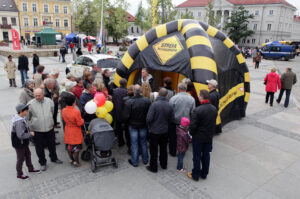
85,18
212,18
142,18
186,15
237,26
169,11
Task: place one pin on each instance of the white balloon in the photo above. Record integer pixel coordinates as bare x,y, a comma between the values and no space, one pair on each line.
90,107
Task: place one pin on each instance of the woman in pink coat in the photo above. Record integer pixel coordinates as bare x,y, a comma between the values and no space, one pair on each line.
272,81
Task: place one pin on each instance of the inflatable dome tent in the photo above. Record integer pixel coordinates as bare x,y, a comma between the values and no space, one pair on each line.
192,49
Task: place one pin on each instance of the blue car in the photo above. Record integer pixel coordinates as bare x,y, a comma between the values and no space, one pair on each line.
276,50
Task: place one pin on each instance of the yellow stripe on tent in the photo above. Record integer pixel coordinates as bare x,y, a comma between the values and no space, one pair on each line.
127,60
199,87
130,80
198,40
212,31
161,30
247,96
218,119
180,24
117,78
190,26
206,63
228,42
240,58
247,77
142,43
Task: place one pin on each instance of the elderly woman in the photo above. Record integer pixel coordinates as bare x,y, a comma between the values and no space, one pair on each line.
27,93
272,81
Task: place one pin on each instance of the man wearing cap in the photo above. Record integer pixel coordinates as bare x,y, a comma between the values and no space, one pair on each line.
214,98
183,105
40,119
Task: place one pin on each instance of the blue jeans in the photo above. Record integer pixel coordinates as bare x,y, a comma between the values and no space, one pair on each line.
180,161
287,97
24,76
34,69
63,57
201,159
135,136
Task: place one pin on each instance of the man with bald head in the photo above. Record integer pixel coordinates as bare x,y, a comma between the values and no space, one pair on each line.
160,116
40,117
135,113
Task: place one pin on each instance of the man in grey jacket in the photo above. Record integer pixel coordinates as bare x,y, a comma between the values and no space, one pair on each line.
183,105
40,119
288,79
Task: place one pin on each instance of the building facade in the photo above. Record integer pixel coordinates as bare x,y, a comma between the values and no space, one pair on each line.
9,18
273,19
133,29
35,15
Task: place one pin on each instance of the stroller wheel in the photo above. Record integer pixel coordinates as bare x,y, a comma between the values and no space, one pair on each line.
86,155
114,161
93,166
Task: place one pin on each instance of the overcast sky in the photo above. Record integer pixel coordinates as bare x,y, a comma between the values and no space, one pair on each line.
134,6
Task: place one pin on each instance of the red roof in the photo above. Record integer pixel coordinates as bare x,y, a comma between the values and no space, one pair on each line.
203,3
297,18
130,17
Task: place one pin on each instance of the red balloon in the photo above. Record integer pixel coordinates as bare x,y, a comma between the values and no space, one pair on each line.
99,99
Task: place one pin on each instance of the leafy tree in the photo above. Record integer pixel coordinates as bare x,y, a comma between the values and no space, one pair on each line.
142,18
186,15
212,18
169,10
85,18
237,25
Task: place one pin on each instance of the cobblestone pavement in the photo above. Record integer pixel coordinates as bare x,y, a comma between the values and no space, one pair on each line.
256,157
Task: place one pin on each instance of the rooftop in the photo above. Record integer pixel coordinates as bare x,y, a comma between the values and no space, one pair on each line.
8,5
130,17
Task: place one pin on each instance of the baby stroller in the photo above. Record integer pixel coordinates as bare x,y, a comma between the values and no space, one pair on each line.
102,141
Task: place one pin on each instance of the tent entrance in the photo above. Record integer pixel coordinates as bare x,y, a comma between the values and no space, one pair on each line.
158,76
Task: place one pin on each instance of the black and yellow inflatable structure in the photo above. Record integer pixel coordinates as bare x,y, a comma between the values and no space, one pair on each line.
192,49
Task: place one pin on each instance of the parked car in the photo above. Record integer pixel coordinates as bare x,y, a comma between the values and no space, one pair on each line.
278,51
103,62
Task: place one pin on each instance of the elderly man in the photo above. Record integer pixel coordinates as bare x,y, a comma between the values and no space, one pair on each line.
183,105
135,112
40,119
202,128
214,98
159,117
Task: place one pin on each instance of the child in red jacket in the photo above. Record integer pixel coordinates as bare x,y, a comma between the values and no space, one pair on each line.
73,133
183,140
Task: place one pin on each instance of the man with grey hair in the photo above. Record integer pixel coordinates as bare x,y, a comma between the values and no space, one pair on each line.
159,118
135,113
183,105
214,98
54,75
40,117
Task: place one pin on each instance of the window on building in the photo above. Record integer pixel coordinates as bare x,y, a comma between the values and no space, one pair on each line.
255,27
256,12
26,22
24,5
13,21
35,22
66,23
199,14
192,14
267,40
271,12
269,27
248,41
57,22
132,30
46,8
137,30
56,9
253,41
66,9
34,7
244,41
4,20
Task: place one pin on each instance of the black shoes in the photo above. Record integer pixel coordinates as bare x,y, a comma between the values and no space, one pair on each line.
151,170
57,161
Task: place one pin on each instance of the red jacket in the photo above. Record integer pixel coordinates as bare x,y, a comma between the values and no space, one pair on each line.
78,91
90,46
71,45
74,121
273,81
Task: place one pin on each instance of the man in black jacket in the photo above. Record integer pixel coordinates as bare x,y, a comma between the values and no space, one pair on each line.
202,128
23,67
214,98
63,52
35,61
146,77
159,117
135,113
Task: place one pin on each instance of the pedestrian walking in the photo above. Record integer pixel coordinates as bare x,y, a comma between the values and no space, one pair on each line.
214,98
135,113
257,60
71,45
23,67
63,52
20,136
183,141
202,129
40,119
288,79
35,61
90,45
10,68
26,94
159,117
272,82
183,105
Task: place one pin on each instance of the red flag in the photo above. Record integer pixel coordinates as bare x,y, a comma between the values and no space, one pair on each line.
15,39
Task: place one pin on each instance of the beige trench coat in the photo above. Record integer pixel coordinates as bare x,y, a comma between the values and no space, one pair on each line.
10,68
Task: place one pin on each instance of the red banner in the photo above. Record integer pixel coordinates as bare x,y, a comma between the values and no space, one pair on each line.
15,39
